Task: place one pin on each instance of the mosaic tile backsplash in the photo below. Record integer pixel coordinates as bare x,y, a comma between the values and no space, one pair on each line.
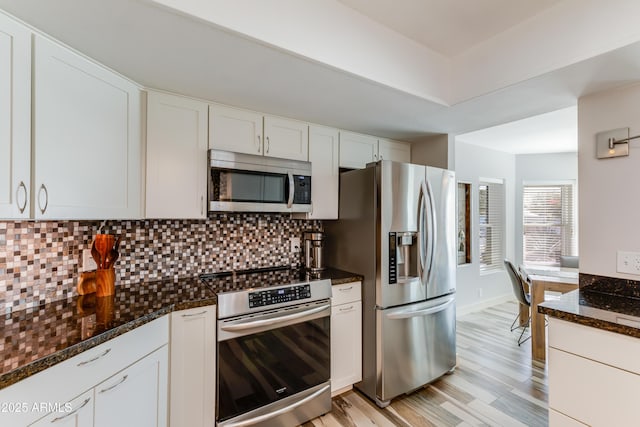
40,261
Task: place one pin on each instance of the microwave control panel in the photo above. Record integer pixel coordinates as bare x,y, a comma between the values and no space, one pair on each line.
279,295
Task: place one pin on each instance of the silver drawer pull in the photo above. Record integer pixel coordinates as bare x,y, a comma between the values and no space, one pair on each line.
46,200
347,308
194,314
55,420
345,289
123,379
86,362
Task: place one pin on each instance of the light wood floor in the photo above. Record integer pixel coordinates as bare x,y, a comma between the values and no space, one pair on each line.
494,384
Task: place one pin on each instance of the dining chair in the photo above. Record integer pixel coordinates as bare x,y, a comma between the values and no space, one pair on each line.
517,283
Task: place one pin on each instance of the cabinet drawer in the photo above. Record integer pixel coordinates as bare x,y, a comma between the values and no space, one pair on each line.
347,292
595,344
591,392
68,379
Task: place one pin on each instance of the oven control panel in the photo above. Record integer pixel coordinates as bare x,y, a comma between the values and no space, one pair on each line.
279,295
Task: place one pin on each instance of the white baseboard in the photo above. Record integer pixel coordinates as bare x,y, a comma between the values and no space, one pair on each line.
481,305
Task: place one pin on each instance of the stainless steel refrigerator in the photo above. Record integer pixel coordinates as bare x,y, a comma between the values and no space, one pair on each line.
397,228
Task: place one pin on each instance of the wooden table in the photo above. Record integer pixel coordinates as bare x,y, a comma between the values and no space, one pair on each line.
540,280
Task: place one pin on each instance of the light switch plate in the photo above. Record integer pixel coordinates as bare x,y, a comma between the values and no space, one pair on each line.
88,263
628,262
295,245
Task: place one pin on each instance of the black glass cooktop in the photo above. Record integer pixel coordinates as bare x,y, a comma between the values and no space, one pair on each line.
229,281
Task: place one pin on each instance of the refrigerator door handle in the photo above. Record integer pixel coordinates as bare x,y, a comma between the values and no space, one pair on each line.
407,314
422,250
430,227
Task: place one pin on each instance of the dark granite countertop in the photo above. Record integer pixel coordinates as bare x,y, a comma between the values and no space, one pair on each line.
614,313
34,339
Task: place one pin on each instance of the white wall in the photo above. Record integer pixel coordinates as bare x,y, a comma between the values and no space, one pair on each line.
609,193
473,162
539,167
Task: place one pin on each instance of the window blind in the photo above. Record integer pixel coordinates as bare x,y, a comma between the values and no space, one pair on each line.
548,223
491,227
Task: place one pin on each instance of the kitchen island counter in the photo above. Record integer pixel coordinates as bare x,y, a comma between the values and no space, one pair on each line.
613,313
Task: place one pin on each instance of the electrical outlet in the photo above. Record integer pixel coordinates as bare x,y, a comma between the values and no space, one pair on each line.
295,245
88,263
628,262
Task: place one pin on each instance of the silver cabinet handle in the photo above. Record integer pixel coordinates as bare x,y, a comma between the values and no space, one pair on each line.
280,319
194,314
24,188
291,191
345,289
46,200
201,205
259,143
86,362
264,417
268,143
123,379
55,420
347,308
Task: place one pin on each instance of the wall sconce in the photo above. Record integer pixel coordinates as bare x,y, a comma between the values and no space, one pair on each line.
613,143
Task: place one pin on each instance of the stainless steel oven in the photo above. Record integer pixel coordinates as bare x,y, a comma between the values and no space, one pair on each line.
274,355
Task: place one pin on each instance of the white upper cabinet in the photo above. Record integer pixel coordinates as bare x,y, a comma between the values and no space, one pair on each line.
87,140
325,173
397,151
15,119
176,157
236,130
241,131
356,150
287,139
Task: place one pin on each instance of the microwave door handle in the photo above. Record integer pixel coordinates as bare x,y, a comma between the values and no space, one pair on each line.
291,191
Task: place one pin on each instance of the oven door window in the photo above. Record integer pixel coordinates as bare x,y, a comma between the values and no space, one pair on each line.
245,186
255,370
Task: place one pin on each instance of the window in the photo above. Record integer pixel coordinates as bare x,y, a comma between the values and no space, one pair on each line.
491,219
548,223
464,223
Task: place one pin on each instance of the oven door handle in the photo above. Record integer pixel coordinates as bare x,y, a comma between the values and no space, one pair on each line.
267,322
264,417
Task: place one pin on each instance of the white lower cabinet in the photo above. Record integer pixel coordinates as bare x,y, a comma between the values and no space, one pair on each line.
121,382
346,336
75,413
193,367
594,376
136,396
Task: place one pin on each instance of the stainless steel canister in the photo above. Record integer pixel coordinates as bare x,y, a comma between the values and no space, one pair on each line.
313,250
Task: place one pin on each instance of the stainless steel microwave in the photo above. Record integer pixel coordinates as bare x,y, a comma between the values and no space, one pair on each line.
249,183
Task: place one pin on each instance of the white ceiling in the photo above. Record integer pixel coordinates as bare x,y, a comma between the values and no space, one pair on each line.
160,48
554,132
449,26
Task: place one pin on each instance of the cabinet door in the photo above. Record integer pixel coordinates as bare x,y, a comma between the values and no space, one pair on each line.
136,396
235,130
397,151
357,150
287,139
193,364
87,138
176,157
325,173
15,119
75,413
346,345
